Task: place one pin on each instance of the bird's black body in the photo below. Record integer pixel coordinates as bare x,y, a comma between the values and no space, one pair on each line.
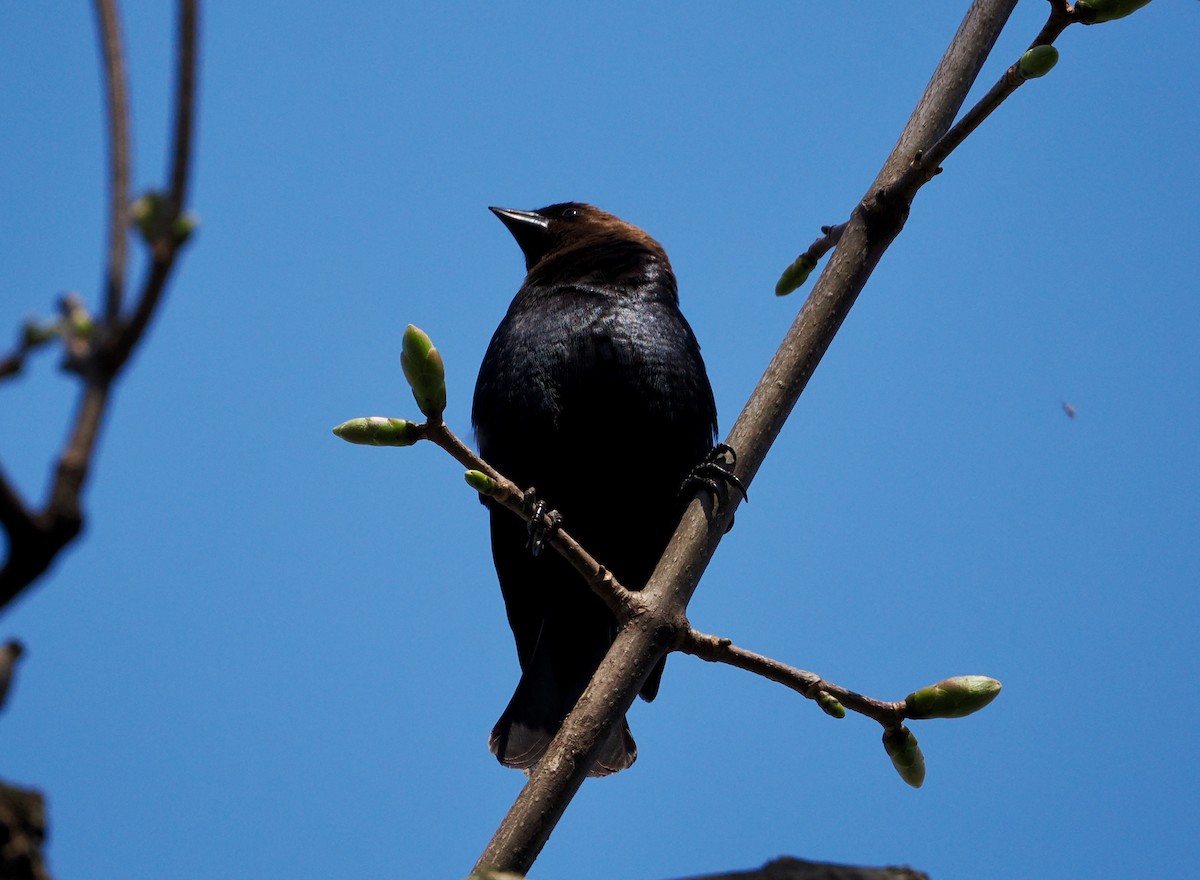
593,392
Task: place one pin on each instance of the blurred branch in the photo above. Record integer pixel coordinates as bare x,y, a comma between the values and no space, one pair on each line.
116,91
872,227
23,821
97,353
165,242
787,868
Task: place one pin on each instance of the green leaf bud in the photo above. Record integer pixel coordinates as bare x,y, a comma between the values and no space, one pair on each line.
906,755
77,320
147,214
185,225
830,706
152,215
1038,61
953,698
423,368
481,482
795,275
378,431
1097,11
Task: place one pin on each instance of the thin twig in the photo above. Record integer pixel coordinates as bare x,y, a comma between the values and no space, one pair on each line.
1062,14
185,102
166,245
622,601
797,273
927,164
12,363
808,684
830,236
117,103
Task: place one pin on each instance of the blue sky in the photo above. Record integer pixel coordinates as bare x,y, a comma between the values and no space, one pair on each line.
275,654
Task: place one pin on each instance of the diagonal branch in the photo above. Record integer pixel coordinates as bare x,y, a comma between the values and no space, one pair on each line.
872,227
928,164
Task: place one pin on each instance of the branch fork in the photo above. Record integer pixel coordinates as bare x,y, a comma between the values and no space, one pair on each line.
96,350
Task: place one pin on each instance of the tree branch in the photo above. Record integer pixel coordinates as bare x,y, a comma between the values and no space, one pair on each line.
187,63
928,163
787,868
166,242
619,599
643,641
808,684
116,91
98,354
23,819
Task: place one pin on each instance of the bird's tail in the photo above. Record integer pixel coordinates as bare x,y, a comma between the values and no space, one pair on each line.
534,715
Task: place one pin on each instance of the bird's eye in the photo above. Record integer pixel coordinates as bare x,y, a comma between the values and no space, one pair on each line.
570,213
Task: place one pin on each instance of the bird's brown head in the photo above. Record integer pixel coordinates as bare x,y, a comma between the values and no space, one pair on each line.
572,239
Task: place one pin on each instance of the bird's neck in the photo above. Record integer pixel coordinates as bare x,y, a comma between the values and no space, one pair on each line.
603,263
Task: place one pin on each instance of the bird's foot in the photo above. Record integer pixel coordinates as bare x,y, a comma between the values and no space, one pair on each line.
543,522
715,473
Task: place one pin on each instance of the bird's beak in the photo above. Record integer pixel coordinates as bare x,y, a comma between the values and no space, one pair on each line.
515,220
530,229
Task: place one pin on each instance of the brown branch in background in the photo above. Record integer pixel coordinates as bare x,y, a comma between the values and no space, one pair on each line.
787,868
116,92
165,244
639,645
185,102
96,354
12,363
23,820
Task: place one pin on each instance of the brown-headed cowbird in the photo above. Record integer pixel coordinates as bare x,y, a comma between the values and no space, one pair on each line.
593,392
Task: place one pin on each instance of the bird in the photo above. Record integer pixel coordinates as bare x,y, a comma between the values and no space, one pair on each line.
593,393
